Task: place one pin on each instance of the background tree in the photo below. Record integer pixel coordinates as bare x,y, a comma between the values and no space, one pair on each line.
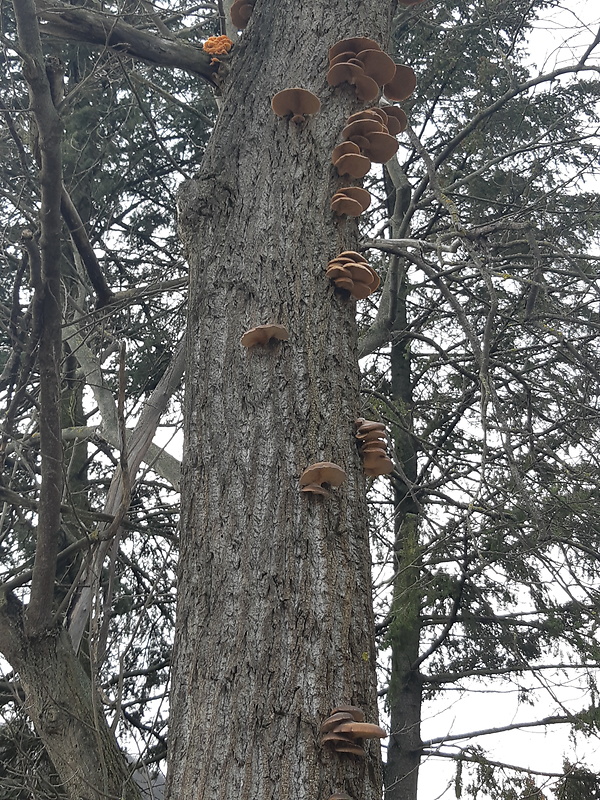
485,371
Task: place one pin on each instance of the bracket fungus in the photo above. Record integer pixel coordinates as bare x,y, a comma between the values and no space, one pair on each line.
351,200
295,102
362,63
263,334
340,796
372,437
316,478
344,727
240,13
402,84
352,271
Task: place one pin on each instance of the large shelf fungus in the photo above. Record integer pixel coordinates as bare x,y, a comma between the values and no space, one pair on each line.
372,438
319,477
344,729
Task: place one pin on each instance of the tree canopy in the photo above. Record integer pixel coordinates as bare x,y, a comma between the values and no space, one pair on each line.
479,353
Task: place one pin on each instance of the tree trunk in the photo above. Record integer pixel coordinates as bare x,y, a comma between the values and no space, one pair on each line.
274,622
65,710
405,687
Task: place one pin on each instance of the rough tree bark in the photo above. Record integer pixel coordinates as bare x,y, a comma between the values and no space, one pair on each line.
274,615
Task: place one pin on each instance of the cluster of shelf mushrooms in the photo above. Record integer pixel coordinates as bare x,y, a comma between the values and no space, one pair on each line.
362,63
372,437
345,728
368,137
352,272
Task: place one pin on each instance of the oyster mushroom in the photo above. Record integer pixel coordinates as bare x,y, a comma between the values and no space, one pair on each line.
316,478
296,103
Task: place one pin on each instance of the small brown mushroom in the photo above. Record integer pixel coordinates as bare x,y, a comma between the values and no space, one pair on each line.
344,149
335,719
295,102
263,333
334,739
350,747
361,730
366,88
357,713
240,13
318,476
362,127
354,45
341,204
397,120
377,65
402,84
381,147
353,164
356,193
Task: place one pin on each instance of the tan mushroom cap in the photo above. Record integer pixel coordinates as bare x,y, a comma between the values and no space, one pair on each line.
357,713
350,747
353,45
376,446
240,13
352,255
344,149
344,72
341,57
361,730
381,147
360,272
366,88
337,271
345,283
335,719
316,488
362,127
371,436
341,204
369,425
323,472
377,65
353,164
397,119
382,466
402,84
358,194
340,796
334,739
368,113
295,101
361,141
263,333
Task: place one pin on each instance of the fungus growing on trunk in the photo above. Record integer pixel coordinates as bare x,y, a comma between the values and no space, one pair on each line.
402,84
240,13
295,102
342,734
359,199
263,334
316,478
352,271
372,437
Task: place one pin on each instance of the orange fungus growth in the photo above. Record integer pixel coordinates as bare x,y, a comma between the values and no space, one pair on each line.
217,45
